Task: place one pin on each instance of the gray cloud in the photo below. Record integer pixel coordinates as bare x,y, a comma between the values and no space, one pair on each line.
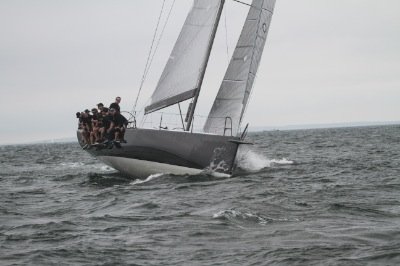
325,61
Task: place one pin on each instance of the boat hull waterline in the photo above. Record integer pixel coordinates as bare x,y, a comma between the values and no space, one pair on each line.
149,151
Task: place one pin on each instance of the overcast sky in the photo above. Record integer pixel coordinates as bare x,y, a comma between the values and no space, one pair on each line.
324,62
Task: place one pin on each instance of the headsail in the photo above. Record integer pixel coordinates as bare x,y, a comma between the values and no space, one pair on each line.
186,65
235,89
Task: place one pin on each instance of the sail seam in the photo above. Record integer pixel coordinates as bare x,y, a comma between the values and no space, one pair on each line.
234,80
239,59
229,99
205,8
244,46
199,25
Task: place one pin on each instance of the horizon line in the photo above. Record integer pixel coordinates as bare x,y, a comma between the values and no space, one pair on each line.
251,129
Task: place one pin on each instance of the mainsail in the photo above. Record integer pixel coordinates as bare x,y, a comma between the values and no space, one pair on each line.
181,78
235,89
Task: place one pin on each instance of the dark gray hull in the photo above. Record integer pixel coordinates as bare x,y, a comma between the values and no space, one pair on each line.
149,151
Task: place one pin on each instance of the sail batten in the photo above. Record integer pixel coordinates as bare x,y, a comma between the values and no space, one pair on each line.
235,90
185,68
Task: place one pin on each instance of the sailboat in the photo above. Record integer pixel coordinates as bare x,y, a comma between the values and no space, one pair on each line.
152,151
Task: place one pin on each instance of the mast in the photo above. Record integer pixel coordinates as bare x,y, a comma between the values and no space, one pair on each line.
203,71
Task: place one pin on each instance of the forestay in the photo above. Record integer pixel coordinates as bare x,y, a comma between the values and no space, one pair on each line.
186,65
236,86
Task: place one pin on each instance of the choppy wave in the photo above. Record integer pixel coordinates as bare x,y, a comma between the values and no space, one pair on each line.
241,217
308,197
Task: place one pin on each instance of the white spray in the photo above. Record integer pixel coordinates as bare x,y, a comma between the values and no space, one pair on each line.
250,160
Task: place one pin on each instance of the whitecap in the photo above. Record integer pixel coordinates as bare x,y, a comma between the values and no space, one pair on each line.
149,178
72,164
282,161
106,168
251,160
239,216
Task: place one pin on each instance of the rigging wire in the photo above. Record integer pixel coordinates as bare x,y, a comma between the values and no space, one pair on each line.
161,35
226,37
155,51
148,58
240,2
250,5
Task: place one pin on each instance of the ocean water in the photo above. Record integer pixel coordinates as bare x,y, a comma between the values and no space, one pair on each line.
305,197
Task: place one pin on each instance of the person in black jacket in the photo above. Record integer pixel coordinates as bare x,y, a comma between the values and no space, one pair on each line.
118,126
105,124
115,105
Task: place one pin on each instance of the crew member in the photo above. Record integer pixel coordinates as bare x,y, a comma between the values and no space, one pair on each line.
118,126
115,105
